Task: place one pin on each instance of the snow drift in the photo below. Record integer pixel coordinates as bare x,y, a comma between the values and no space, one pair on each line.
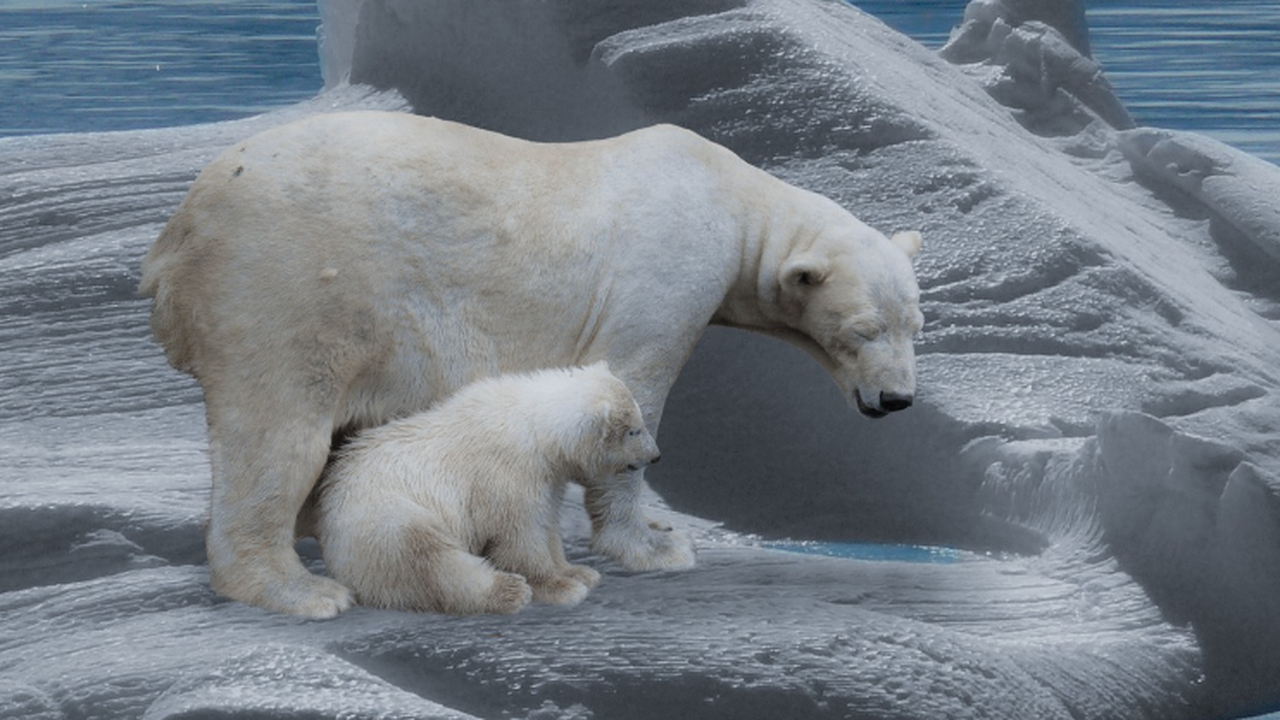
1097,422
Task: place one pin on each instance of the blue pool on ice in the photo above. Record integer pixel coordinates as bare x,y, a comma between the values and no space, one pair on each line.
871,551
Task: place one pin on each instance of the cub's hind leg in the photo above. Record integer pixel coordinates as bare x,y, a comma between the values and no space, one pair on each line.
456,582
422,569
536,552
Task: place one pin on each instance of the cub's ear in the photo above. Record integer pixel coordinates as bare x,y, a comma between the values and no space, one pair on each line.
598,366
594,420
609,423
804,271
909,241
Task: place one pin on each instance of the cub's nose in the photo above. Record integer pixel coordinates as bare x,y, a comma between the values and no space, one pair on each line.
642,463
891,402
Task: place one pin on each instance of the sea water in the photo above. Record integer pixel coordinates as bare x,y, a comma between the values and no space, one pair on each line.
95,65
1209,67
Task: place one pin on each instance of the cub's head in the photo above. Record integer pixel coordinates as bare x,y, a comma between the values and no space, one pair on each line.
613,434
852,296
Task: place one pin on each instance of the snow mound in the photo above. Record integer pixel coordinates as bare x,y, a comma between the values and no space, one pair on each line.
1033,55
1237,188
1097,416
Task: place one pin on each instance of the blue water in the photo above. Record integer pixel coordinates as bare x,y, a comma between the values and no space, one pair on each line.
101,65
96,65
1209,67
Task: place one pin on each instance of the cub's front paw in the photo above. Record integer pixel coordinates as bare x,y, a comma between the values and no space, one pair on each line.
643,547
584,575
509,594
561,590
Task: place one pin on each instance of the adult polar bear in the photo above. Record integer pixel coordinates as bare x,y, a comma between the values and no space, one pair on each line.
351,268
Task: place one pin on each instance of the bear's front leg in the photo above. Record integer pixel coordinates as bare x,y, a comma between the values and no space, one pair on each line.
621,531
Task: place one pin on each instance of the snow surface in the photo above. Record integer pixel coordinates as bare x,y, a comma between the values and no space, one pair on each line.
1097,426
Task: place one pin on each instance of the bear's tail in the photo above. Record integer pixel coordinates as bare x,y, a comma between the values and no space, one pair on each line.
168,319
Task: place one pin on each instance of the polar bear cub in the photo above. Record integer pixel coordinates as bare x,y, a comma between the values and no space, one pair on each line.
457,509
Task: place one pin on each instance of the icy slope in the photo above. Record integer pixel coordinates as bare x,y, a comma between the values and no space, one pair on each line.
1098,392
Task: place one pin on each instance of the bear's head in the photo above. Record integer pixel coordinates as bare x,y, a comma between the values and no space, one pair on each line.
852,295
613,434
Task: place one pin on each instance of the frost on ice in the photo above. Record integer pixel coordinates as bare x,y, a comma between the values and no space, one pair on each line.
1097,426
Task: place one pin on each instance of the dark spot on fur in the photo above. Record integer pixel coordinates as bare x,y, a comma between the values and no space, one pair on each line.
340,437
239,169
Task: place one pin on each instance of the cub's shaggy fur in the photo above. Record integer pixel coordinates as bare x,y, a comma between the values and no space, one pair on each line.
456,509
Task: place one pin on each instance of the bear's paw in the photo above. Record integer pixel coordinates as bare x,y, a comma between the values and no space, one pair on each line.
297,592
642,547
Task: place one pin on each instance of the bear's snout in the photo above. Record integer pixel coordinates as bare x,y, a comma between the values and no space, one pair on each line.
893,402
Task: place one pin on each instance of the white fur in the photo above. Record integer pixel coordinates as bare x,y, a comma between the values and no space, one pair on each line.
351,268
406,510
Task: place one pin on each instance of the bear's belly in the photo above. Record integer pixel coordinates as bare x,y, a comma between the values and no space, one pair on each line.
429,362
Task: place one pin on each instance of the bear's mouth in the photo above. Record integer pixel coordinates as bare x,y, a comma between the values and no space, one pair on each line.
866,409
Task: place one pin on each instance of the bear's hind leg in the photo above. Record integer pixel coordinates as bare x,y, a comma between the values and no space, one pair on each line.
262,474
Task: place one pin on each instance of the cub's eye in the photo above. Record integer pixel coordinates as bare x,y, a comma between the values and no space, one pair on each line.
633,432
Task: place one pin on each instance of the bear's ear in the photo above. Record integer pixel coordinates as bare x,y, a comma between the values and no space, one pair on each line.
909,241
804,271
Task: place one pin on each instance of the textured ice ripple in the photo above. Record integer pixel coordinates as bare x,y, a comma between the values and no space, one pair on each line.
750,633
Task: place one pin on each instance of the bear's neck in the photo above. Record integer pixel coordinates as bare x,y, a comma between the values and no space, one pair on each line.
770,232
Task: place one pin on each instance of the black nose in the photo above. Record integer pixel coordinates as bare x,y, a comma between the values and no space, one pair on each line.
655,459
893,401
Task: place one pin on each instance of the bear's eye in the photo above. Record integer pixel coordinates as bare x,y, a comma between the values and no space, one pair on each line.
864,332
858,329
633,432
